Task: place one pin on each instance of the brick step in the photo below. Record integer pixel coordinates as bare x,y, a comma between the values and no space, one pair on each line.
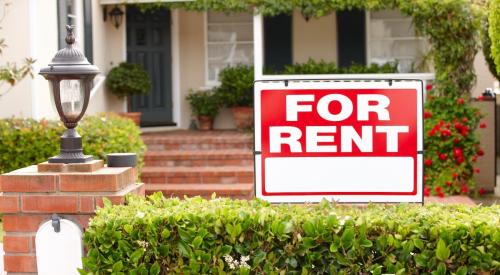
233,190
208,174
234,157
197,140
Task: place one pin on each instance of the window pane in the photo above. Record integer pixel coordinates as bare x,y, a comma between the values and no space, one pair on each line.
229,41
392,37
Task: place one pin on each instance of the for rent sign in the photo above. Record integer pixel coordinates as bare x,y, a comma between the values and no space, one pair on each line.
351,141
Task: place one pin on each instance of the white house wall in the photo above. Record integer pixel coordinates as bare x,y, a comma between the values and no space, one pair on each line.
316,38
17,100
108,51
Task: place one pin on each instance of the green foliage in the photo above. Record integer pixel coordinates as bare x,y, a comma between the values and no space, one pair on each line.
486,45
204,103
494,31
323,67
236,86
110,133
128,79
25,142
451,145
220,236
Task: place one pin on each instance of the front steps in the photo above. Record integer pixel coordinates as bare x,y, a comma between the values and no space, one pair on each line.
196,163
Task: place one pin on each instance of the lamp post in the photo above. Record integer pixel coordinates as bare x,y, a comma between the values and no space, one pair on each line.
71,78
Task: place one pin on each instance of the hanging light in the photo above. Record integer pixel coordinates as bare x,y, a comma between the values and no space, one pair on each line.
71,78
116,15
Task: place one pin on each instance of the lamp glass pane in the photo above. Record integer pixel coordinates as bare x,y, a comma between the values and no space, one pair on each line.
72,97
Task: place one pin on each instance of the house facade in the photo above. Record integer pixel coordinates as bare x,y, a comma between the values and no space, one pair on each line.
185,50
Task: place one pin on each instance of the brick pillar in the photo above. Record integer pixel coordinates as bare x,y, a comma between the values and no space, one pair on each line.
31,195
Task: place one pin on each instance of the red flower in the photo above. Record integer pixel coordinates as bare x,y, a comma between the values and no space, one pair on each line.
427,191
474,158
477,170
459,160
482,191
427,114
464,131
441,194
449,184
460,101
465,120
464,189
442,156
445,133
482,125
428,162
454,175
456,140
458,126
480,98
457,152
480,152
431,133
438,189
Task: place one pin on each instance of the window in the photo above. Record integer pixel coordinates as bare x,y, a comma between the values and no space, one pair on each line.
391,37
229,41
79,14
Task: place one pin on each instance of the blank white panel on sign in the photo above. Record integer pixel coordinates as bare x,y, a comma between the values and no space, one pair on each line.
59,252
339,174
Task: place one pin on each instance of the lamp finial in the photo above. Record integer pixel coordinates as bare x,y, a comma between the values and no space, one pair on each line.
70,36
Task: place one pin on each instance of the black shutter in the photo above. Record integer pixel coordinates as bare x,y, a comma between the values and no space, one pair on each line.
277,41
351,37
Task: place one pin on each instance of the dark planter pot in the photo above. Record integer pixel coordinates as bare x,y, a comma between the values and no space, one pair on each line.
243,117
134,116
205,123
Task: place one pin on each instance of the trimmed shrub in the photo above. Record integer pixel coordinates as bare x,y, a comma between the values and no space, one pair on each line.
128,79
25,142
221,236
494,31
323,67
236,86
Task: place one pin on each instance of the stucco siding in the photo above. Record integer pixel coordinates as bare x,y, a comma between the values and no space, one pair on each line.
316,38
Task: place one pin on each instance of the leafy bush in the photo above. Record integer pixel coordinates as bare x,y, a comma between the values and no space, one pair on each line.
494,31
451,145
195,236
204,103
236,88
128,79
25,142
110,133
486,43
323,67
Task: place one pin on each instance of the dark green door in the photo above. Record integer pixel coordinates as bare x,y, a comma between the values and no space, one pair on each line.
148,44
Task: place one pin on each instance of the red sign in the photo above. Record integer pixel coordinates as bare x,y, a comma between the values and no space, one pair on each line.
349,141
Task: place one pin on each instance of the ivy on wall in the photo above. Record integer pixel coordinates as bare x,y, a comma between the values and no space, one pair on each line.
452,29
494,31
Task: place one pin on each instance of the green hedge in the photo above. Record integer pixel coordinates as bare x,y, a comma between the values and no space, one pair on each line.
25,142
196,236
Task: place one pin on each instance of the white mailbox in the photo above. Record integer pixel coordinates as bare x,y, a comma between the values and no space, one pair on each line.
59,252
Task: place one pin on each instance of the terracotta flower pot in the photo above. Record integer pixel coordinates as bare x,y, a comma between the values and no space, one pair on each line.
205,123
243,117
134,116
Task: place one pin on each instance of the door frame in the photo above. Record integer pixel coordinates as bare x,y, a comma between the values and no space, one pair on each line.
175,52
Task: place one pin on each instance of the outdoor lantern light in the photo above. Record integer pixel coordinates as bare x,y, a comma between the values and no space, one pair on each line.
116,15
71,78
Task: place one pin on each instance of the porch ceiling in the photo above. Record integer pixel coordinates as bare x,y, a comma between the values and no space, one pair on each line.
111,2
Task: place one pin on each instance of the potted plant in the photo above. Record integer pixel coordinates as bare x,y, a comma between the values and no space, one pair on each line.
128,79
205,106
236,92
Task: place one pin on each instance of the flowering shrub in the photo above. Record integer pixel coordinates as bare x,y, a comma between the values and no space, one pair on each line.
451,145
221,236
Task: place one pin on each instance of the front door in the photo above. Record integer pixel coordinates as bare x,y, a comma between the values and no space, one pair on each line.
148,44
